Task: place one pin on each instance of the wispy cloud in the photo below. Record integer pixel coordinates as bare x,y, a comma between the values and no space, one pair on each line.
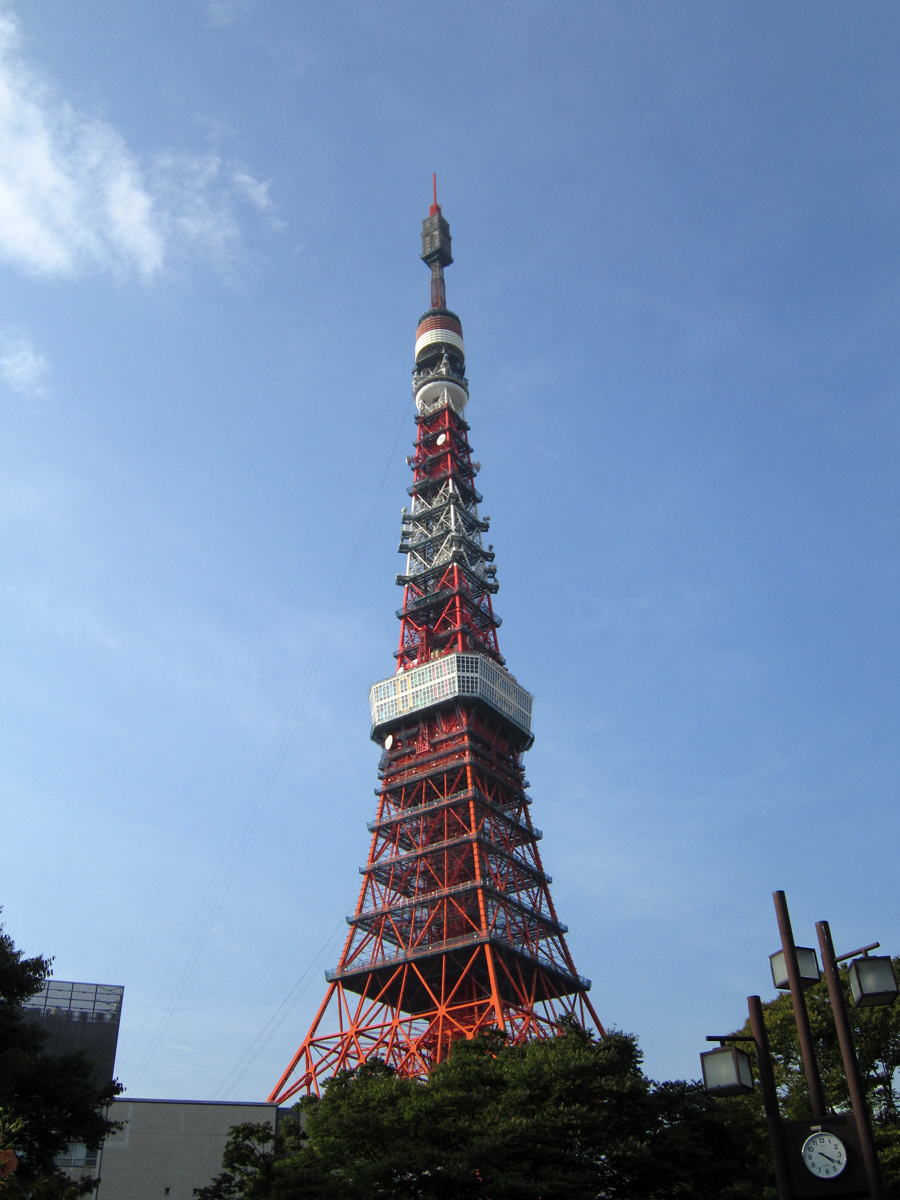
255,192
74,196
22,369
226,12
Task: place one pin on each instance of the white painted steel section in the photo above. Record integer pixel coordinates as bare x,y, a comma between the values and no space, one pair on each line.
440,335
441,391
444,678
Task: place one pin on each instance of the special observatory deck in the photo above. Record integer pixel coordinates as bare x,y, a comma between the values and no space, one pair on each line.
446,677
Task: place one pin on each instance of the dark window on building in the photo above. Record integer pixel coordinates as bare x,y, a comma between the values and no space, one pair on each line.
77,1156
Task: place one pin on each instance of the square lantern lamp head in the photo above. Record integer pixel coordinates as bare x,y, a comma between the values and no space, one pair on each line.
872,981
726,1072
806,961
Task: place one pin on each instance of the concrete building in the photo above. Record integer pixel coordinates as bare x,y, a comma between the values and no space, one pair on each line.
166,1148
169,1148
79,1016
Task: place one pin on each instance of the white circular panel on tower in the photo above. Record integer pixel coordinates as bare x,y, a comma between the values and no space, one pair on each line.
429,395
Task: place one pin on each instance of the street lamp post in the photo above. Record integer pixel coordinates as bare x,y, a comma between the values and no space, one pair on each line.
851,1067
770,1098
726,1072
801,1015
832,1150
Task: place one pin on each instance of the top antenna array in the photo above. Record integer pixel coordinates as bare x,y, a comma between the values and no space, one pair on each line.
436,235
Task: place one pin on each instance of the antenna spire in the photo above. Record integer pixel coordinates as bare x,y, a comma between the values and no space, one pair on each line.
436,249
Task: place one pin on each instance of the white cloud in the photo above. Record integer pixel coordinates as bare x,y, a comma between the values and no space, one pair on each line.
73,196
226,12
21,368
254,191
194,209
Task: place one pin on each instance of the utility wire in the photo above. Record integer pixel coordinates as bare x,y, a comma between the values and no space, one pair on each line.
247,822
278,1018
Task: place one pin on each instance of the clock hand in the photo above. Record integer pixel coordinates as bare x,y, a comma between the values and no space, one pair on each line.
828,1156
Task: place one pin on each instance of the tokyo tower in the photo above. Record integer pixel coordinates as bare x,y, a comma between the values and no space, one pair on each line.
455,931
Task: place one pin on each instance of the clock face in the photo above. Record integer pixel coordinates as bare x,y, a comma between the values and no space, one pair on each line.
824,1155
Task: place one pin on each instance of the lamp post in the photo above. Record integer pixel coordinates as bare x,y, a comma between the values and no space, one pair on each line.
848,1052
798,1000
726,1072
833,1150
770,1098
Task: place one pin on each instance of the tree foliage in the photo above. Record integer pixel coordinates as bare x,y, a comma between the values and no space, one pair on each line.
562,1119
565,1119
48,1101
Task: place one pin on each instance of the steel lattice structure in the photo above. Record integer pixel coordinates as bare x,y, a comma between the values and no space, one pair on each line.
455,930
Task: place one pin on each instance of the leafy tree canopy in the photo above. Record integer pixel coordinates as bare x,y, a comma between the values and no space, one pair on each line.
563,1119
566,1119
47,1102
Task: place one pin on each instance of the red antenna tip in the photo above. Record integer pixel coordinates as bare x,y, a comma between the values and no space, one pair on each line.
435,208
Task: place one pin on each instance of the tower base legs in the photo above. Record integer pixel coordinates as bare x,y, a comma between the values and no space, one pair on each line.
375,1023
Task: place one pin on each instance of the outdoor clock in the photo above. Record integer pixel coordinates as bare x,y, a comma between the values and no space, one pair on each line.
824,1155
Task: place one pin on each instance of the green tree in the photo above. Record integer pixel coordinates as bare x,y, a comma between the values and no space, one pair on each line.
50,1101
570,1118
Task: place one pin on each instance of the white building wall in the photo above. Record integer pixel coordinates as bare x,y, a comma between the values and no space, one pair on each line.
169,1148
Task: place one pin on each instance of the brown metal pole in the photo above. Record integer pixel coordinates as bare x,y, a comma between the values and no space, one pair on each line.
801,1016
770,1098
851,1066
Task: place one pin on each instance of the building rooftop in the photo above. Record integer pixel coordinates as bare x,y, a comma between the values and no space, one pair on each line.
78,1001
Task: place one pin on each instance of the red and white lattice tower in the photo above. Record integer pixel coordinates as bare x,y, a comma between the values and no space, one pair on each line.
455,931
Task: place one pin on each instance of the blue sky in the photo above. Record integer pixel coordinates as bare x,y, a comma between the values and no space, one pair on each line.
677,261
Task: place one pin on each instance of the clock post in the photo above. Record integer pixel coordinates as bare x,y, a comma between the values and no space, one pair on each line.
829,1153
851,1066
834,1154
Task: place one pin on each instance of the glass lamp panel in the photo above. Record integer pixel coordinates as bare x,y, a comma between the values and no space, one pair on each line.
806,961
872,981
744,1072
726,1072
719,1069
809,966
779,971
